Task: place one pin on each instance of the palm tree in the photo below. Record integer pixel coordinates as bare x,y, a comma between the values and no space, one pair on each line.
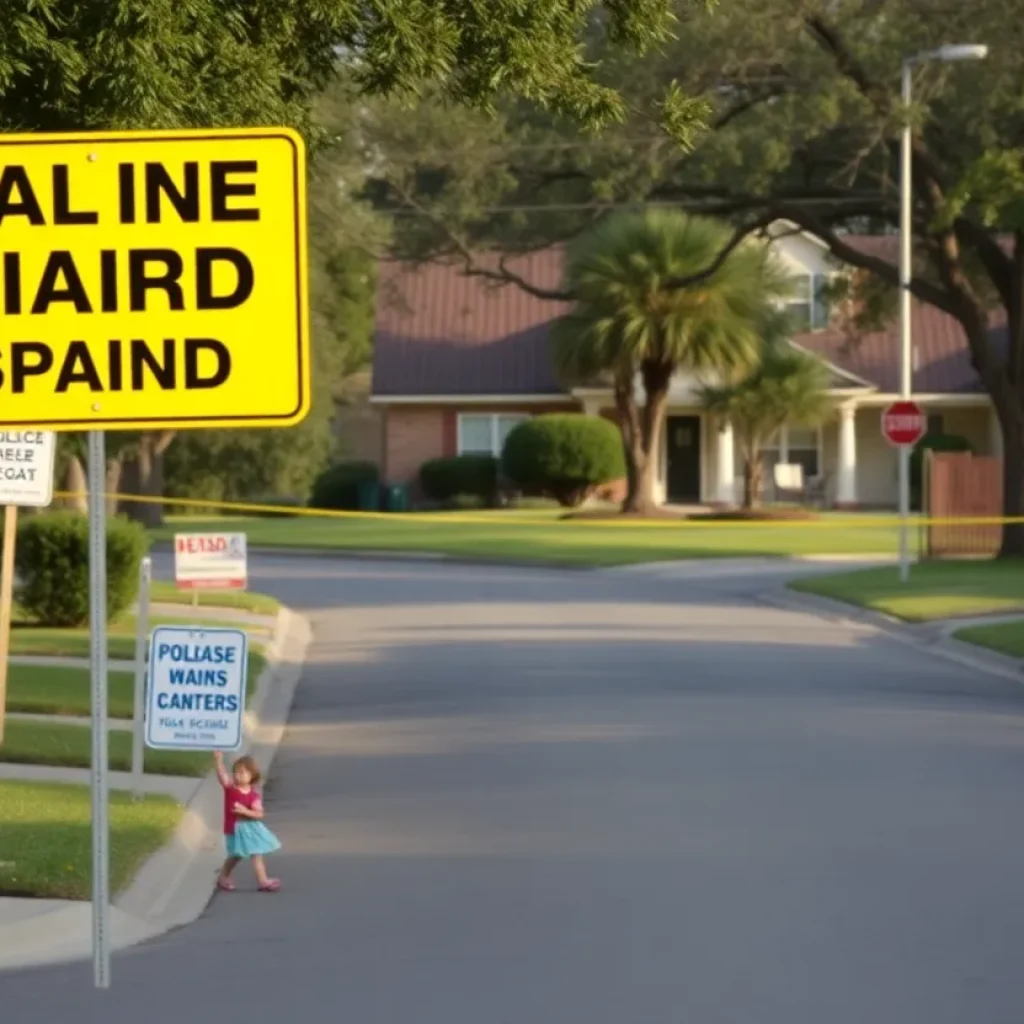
630,317
788,386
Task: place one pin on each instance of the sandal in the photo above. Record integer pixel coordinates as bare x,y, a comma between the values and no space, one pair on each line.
225,885
272,885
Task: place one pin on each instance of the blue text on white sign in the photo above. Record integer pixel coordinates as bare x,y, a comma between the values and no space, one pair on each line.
196,690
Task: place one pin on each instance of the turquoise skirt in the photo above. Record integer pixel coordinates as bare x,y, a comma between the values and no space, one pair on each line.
251,839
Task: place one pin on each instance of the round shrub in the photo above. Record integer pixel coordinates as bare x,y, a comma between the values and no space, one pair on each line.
935,443
345,485
564,455
52,566
443,479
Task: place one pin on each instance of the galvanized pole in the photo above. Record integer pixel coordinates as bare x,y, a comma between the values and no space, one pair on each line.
906,350
98,676
138,718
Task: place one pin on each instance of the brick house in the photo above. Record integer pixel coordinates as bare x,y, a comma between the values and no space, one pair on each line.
458,361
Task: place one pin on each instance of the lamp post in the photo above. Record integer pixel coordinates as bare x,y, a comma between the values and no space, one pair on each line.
949,52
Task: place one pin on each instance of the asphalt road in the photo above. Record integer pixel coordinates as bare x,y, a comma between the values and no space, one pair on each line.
525,797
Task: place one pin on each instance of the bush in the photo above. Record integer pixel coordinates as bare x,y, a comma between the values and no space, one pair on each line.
465,502
443,479
935,443
284,508
564,455
52,567
340,486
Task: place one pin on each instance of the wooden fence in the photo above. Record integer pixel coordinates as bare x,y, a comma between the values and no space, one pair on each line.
962,485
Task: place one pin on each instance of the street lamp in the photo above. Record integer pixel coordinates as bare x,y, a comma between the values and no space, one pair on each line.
949,52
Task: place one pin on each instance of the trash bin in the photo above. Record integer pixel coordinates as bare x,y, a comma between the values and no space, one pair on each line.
368,495
397,498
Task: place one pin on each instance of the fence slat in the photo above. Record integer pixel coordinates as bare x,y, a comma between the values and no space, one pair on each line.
962,485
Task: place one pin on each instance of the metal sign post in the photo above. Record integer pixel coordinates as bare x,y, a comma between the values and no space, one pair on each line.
139,714
165,333
100,779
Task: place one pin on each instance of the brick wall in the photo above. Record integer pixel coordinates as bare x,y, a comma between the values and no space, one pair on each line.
412,434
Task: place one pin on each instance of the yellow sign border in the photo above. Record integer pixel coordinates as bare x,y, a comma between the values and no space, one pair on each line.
301,272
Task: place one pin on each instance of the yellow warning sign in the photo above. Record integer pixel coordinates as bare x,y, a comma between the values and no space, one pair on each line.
153,279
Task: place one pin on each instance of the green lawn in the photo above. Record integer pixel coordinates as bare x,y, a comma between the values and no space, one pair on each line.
45,838
69,746
42,690
163,592
1004,637
936,590
74,643
538,537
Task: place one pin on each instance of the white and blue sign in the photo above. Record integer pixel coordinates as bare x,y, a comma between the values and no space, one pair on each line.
196,688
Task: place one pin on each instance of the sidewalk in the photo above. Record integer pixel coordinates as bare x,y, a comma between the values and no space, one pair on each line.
174,886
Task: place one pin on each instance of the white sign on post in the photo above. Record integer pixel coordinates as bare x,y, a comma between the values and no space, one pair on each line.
26,467
196,698
208,561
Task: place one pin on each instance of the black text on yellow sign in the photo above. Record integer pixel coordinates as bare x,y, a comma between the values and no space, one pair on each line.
153,279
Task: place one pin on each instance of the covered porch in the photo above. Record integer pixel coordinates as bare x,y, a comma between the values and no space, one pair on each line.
845,461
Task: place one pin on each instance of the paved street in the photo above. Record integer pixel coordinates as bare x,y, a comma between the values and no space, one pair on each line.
528,797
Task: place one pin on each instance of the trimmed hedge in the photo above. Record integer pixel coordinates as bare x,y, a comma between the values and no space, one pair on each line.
340,486
564,455
460,475
52,566
935,443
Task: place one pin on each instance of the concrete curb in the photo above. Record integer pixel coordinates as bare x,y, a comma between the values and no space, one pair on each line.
174,886
931,637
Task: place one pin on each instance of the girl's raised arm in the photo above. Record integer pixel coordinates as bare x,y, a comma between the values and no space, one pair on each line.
222,773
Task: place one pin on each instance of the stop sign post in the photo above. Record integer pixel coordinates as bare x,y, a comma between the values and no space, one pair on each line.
903,424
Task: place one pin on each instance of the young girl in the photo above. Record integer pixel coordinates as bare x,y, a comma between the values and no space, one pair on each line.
245,835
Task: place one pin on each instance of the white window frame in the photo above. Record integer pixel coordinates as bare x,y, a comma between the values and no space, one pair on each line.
780,444
810,299
493,418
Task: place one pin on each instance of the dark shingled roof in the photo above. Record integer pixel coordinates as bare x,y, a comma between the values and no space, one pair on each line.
441,333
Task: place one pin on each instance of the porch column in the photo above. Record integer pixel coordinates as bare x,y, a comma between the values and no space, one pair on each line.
846,476
726,464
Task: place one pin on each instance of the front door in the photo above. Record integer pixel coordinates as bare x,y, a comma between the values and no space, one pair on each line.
683,457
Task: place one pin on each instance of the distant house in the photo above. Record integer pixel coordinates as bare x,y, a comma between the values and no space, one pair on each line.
458,361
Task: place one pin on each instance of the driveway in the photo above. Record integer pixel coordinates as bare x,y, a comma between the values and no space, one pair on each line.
529,797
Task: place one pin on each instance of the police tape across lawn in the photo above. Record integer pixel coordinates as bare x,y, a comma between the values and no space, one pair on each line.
196,693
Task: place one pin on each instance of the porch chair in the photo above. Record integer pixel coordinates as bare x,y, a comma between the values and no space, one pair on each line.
788,478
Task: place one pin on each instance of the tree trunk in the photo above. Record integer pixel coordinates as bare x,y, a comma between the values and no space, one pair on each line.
629,426
749,484
145,476
76,483
656,379
112,483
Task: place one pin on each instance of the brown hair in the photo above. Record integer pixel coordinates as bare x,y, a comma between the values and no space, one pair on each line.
250,766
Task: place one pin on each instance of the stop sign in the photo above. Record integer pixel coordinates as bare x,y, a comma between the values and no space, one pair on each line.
903,423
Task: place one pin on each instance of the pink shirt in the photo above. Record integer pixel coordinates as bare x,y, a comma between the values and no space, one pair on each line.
232,796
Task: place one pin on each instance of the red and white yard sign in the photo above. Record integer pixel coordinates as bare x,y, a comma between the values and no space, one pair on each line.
903,424
207,561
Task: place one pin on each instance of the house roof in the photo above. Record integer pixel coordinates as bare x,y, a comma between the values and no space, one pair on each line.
441,333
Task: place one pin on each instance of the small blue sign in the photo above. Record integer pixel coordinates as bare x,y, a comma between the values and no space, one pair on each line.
196,691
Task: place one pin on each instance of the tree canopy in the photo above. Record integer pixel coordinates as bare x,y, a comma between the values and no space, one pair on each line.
73,65
801,117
